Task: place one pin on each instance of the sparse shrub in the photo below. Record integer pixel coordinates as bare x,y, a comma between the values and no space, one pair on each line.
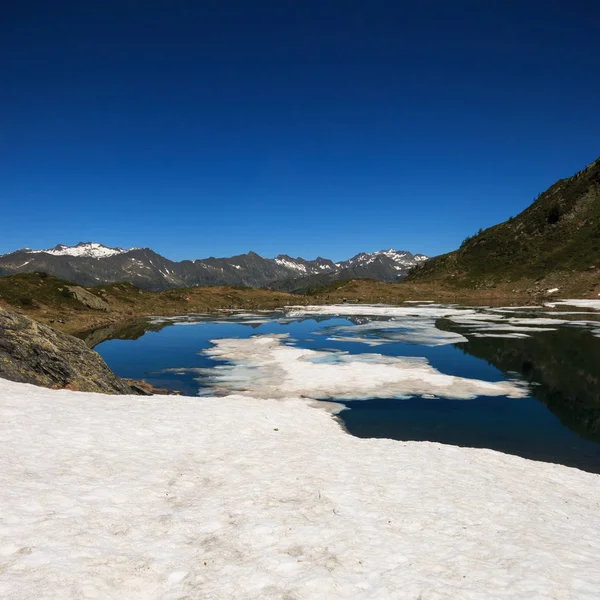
554,214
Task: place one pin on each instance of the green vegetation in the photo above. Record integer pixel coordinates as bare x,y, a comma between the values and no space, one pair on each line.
51,300
30,290
560,231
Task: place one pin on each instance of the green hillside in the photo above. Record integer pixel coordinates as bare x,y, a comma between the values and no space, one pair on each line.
559,232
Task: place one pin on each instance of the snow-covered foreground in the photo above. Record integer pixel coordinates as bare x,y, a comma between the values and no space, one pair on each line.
219,498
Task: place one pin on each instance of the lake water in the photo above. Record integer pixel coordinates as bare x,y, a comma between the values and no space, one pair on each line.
524,381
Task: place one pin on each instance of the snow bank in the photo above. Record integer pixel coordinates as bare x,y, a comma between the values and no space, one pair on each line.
239,498
267,366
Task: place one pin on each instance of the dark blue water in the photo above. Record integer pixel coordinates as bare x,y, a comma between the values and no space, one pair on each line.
559,422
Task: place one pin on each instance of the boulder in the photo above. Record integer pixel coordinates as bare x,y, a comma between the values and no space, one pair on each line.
34,353
88,299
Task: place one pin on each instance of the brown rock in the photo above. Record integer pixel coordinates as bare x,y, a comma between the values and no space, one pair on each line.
34,353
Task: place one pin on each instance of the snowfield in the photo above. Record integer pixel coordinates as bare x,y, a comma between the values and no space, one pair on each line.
237,497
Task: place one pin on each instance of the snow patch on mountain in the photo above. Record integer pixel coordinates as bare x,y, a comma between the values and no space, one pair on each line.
83,249
290,264
402,258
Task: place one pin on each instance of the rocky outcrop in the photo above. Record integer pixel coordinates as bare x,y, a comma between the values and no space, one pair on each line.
88,299
34,353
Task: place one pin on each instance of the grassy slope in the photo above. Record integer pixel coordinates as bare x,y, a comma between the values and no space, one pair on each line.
43,297
558,234
46,299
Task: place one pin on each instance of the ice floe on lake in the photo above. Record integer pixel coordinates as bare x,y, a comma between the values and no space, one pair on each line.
418,322
595,304
379,310
268,366
415,331
230,316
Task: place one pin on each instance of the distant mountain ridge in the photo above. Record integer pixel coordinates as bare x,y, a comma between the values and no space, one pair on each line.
556,238
91,263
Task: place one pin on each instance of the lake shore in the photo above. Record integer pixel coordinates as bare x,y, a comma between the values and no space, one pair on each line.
43,299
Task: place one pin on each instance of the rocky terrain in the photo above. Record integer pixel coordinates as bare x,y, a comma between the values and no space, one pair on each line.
34,353
90,263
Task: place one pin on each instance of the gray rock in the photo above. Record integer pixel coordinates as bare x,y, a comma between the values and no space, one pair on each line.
34,353
88,299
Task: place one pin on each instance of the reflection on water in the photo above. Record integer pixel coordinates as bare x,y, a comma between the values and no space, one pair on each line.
564,367
558,422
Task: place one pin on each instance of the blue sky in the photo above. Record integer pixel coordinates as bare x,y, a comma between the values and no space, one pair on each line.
300,127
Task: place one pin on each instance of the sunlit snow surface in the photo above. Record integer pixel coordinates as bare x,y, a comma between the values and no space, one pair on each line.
266,367
241,498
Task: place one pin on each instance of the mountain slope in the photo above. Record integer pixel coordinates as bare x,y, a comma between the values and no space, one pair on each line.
560,231
90,263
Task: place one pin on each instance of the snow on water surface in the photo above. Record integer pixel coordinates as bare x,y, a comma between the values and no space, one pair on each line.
595,304
417,322
267,367
238,498
379,310
415,331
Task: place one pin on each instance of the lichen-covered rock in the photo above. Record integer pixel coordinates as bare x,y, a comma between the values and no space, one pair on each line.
34,353
88,299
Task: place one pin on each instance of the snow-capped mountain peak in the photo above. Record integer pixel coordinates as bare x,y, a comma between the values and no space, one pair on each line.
287,261
83,249
402,258
91,263
305,267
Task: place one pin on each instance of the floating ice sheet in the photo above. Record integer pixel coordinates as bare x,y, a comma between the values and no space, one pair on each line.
417,323
379,310
268,366
595,304
408,329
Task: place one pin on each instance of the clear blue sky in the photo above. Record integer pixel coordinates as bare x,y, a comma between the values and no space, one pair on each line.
306,127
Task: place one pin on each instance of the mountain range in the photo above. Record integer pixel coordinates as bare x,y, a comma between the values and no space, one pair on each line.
91,263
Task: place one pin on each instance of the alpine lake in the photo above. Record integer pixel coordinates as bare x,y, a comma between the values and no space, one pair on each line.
519,380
